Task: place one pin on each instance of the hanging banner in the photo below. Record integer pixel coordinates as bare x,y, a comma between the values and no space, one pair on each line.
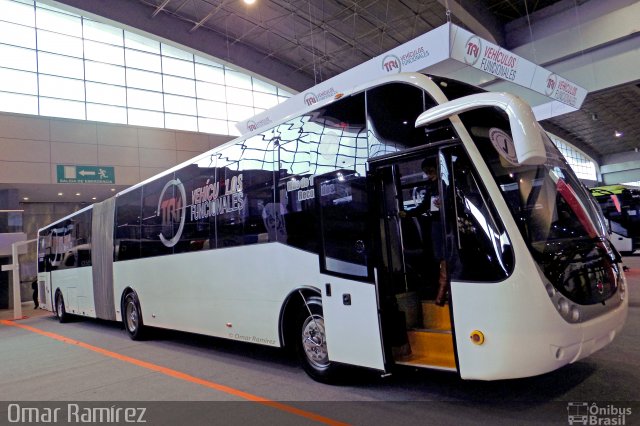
415,55
447,46
485,56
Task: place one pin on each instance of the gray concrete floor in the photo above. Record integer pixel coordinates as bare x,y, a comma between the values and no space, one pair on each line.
36,367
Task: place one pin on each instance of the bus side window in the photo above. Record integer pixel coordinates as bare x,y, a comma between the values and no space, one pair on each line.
202,190
127,225
344,221
160,211
257,192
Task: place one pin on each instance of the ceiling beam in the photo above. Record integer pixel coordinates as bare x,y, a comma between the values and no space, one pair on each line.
476,19
160,8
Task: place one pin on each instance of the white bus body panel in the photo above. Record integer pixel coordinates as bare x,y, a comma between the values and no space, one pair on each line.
353,330
76,285
45,298
524,333
622,244
238,293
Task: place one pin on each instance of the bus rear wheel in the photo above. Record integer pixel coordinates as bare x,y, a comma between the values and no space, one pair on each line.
61,312
132,317
311,342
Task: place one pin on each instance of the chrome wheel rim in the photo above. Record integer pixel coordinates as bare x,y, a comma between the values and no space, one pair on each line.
314,343
131,314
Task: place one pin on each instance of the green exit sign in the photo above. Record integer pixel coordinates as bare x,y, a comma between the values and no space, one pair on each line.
85,174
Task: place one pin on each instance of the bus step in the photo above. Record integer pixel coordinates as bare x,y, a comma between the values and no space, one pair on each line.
432,348
435,317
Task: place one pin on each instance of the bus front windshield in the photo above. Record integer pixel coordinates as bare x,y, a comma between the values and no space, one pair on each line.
556,216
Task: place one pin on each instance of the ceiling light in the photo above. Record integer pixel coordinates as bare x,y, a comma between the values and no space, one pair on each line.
94,198
60,194
617,134
113,190
26,198
249,1
77,193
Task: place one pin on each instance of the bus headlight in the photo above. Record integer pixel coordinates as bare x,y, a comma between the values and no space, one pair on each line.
550,290
575,314
563,306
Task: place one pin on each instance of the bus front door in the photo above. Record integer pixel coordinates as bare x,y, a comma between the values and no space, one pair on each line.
412,274
349,296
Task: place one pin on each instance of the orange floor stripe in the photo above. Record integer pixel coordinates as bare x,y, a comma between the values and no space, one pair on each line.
179,375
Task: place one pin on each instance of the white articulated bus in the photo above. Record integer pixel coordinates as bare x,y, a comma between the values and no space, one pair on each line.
330,233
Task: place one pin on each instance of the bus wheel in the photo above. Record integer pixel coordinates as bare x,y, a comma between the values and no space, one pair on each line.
312,344
61,313
132,317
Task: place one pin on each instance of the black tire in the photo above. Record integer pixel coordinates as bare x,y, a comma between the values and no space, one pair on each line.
311,344
61,312
132,317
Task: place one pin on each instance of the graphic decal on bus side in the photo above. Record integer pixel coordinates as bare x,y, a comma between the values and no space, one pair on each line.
206,201
170,209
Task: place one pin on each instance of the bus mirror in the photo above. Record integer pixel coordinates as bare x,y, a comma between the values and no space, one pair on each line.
526,133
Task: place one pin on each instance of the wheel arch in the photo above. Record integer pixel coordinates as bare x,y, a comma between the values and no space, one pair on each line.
57,293
290,307
123,295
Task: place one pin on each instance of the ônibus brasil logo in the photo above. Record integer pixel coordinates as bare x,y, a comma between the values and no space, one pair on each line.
172,209
552,81
472,50
391,63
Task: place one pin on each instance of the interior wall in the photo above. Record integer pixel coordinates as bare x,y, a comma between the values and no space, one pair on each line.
32,146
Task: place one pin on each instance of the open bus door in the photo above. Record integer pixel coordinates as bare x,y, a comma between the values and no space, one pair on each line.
349,296
412,278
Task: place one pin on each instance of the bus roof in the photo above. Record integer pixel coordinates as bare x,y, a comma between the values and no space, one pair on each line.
69,216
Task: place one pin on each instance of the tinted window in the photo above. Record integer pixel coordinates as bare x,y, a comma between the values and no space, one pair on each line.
202,190
82,241
44,249
66,244
257,189
480,248
127,226
294,217
257,166
162,209
344,222
229,223
392,111
328,139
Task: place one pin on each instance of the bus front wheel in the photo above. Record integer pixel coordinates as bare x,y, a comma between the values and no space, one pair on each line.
132,316
61,312
311,342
